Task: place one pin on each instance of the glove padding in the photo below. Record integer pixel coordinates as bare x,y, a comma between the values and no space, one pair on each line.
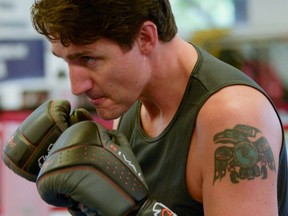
26,150
96,169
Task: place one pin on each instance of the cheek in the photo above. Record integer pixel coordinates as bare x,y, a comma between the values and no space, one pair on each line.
124,74
133,79
135,72
127,83
128,75
125,87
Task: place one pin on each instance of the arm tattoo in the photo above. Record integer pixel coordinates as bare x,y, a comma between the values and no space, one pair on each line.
244,153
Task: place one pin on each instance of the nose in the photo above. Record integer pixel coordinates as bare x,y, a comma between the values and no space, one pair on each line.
80,80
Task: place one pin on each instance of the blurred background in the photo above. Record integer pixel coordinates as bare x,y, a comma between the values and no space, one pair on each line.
251,35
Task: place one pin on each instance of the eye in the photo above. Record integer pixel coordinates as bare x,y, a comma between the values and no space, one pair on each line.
87,59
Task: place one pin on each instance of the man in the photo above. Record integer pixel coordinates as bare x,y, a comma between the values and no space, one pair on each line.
208,139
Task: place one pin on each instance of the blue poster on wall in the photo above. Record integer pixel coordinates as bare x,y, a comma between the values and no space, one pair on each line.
21,59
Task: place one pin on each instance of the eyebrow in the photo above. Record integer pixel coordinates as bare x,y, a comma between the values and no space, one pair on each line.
72,56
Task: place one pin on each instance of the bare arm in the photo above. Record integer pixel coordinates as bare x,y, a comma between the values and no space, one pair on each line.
238,142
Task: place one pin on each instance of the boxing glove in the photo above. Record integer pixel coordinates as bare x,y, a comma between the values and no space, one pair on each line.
27,148
92,171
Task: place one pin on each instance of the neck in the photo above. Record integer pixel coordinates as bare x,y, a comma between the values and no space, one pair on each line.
171,67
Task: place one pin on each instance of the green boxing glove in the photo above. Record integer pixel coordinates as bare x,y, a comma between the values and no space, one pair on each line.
27,149
92,171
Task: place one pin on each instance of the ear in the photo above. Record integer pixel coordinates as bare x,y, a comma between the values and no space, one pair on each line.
148,37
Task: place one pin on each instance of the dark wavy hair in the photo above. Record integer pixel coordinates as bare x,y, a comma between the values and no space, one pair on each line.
84,21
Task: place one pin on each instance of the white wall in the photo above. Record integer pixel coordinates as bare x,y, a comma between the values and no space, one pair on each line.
15,19
265,18
268,14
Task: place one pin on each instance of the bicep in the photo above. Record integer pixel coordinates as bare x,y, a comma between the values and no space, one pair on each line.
242,143
242,174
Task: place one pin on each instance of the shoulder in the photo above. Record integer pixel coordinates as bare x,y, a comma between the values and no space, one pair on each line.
238,104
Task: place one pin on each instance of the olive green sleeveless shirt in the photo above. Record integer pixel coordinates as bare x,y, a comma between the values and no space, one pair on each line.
163,158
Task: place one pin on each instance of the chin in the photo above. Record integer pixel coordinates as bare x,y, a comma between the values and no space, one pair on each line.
106,115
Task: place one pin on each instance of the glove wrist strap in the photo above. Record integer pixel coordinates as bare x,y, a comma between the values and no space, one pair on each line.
153,208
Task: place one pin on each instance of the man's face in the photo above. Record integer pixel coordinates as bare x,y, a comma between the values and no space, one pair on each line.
112,79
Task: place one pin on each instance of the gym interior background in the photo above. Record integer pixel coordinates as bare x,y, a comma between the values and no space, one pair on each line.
252,35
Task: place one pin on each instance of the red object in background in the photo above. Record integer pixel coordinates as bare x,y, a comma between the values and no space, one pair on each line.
106,124
266,76
17,116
